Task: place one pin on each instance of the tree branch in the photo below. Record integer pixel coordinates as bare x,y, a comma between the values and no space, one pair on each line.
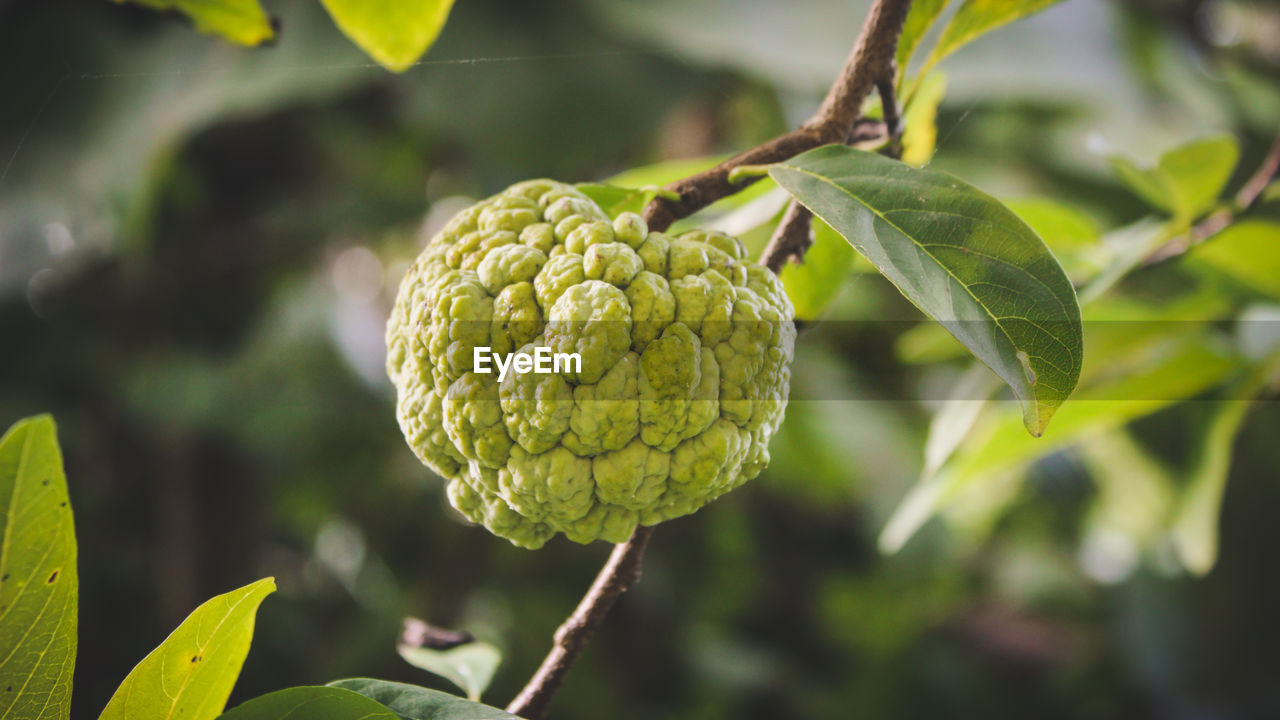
1218,221
619,573
870,61
794,235
838,119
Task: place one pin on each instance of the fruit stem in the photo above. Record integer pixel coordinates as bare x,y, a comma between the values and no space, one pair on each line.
618,574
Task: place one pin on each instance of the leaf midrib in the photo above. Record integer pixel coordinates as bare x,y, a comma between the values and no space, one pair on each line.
924,250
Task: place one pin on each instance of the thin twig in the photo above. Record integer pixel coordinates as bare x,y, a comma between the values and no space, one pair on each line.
870,60
1261,177
1218,221
619,573
892,116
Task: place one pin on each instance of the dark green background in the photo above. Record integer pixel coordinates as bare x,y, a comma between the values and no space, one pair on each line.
210,344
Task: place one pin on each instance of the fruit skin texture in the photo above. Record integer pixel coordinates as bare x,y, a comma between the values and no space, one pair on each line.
686,351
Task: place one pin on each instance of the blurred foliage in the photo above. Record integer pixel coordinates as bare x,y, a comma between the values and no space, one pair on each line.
198,243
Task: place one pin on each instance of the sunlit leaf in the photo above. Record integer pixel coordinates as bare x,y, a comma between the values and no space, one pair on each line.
394,32
1135,491
925,343
1070,234
1061,227
951,424
663,173
814,283
191,673
615,200
240,21
1186,366
38,580
920,18
1126,247
311,703
1248,251
1187,180
976,18
1195,528
961,257
920,121
411,702
470,666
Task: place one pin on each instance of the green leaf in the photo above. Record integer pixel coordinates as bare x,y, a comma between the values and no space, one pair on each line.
920,120
1126,247
961,257
951,424
38,581
1135,490
1195,527
664,172
615,200
191,673
310,703
1072,235
411,702
1248,251
1061,227
1185,181
919,19
976,18
470,666
814,283
1183,367
394,32
240,21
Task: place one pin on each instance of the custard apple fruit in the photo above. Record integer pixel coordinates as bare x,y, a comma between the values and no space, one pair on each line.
684,352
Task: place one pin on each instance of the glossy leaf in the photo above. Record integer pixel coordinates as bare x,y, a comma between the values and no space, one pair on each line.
470,666
920,18
394,32
240,21
961,257
411,702
976,18
1186,366
1195,528
1248,251
920,121
38,580
191,673
814,283
310,703
1187,180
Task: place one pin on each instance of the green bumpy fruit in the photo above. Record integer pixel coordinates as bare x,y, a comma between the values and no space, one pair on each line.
685,364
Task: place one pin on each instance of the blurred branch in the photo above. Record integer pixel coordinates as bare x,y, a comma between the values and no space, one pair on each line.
1218,221
836,120
619,573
